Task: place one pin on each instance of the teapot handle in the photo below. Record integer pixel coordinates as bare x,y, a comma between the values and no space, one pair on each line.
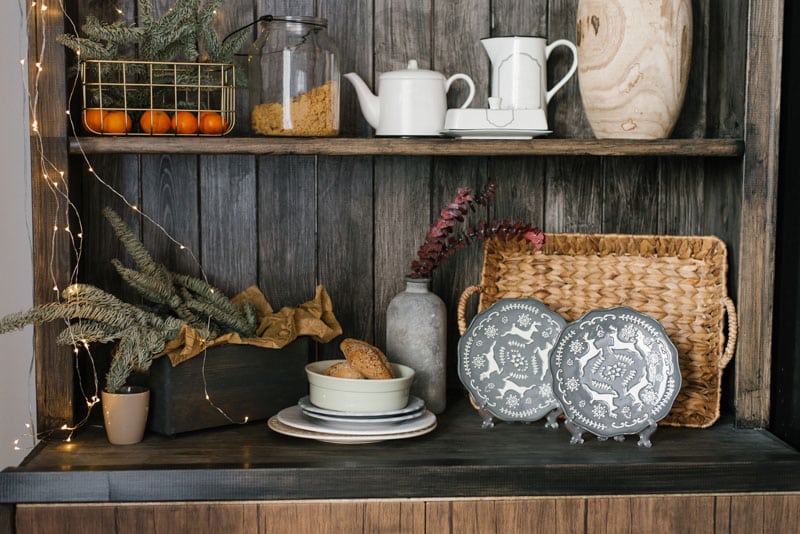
470,84
572,69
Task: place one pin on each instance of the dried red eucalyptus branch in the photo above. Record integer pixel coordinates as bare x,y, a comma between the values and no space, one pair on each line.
442,240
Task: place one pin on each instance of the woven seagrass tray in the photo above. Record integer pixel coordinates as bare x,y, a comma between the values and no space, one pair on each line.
680,281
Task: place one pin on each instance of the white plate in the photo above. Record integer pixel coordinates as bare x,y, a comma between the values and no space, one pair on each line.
286,430
336,419
415,404
496,133
293,417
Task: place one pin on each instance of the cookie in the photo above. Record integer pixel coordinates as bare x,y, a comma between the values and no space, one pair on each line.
368,360
343,370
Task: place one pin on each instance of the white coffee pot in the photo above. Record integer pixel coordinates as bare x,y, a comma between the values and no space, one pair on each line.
519,70
410,102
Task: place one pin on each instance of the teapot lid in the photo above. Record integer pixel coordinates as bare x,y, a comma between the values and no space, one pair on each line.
412,72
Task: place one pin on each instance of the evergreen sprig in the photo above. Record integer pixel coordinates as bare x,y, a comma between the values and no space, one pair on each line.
140,331
184,33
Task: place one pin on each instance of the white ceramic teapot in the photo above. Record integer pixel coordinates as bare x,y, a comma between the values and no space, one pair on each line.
410,102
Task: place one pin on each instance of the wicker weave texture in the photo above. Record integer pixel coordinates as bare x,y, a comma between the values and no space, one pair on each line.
679,281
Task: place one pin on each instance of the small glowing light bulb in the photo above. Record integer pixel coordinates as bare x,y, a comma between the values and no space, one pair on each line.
64,427
182,247
91,169
207,397
55,228
80,235
21,61
55,288
246,418
44,7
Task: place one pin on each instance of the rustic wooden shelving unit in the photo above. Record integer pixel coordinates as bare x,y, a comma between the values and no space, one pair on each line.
719,176
343,146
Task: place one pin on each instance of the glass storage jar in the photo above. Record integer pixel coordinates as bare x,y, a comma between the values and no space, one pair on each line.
294,78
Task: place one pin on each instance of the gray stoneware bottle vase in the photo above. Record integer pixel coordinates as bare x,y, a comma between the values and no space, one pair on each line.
416,336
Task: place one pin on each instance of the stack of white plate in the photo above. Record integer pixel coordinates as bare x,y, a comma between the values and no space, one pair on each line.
306,420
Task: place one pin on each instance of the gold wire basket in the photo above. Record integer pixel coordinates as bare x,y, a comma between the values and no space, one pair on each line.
158,98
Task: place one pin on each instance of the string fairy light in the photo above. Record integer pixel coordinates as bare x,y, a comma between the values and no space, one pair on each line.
65,207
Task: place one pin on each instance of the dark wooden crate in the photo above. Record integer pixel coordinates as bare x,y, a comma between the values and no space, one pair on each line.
241,380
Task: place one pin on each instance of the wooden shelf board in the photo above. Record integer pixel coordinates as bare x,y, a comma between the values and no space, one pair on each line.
458,459
341,146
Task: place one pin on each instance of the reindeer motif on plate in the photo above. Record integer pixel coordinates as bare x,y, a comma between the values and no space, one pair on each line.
615,373
504,361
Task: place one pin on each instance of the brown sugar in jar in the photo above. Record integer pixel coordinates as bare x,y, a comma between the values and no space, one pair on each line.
312,114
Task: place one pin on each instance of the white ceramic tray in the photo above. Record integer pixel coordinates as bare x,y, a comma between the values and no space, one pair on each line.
496,133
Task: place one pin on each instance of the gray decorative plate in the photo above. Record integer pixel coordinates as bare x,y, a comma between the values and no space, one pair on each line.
504,359
615,372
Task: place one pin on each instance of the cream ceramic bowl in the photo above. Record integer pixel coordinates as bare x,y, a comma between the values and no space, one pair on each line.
358,395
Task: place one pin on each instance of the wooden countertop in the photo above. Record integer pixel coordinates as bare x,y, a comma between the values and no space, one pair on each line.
458,459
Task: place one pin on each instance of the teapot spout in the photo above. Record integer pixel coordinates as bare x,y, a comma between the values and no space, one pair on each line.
370,106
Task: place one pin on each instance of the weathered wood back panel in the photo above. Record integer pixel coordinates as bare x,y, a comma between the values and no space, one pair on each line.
354,223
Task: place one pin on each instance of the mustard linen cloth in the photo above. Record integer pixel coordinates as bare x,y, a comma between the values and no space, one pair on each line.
314,318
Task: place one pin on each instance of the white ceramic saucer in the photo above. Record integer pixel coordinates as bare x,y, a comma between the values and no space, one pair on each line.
415,404
333,420
286,430
293,417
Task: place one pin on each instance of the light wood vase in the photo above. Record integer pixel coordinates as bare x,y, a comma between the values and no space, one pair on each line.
633,65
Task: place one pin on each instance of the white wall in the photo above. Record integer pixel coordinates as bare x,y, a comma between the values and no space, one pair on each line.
17,397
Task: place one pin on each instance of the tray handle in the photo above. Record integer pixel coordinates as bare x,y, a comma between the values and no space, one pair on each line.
733,332
462,307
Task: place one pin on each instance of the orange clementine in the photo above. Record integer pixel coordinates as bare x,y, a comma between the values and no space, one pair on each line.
155,122
184,122
212,122
117,122
93,119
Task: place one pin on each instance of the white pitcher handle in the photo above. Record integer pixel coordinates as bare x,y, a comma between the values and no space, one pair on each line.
572,69
470,84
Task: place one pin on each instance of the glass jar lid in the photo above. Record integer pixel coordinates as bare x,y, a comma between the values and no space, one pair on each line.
315,21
